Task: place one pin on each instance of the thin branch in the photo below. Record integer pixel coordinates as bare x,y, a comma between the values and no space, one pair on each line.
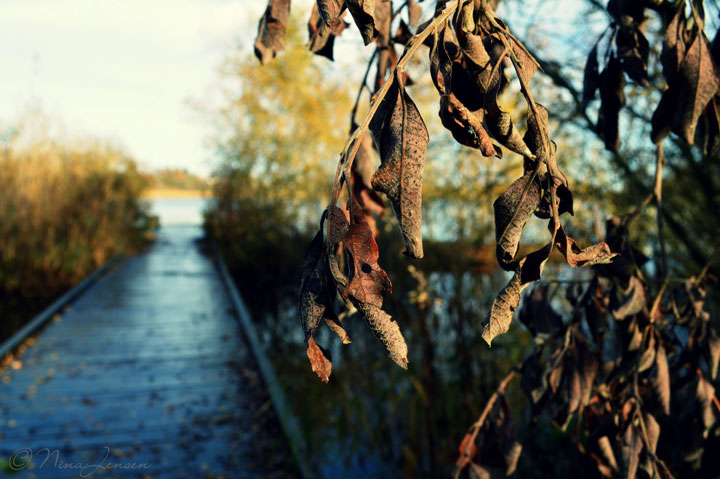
662,263
363,85
483,416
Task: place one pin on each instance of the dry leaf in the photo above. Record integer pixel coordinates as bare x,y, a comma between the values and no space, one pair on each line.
271,30
401,136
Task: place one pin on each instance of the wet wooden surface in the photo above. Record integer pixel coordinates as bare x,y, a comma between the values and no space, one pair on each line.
145,375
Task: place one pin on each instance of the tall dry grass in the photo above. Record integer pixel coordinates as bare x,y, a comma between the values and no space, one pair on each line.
66,209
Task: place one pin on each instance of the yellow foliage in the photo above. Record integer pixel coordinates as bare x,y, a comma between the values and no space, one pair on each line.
67,208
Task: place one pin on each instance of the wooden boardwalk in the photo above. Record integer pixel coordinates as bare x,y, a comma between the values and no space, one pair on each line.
145,375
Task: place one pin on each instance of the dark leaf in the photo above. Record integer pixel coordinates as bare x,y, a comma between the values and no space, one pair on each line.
587,367
473,82
401,136
630,448
363,12
692,79
501,128
591,78
633,51
647,356
331,13
612,97
698,82
321,39
512,210
563,198
653,432
443,51
537,314
534,381
608,454
652,429
337,226
660,379
314,296
626,11
503,308
368,280
713,351
271,30
633,299
319,360
704,395
526,67
537,138
466,126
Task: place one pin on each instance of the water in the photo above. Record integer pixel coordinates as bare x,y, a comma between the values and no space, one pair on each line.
179,211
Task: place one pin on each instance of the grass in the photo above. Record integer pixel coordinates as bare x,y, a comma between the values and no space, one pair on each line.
67,209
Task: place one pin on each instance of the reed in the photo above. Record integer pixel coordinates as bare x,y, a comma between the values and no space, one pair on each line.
66,209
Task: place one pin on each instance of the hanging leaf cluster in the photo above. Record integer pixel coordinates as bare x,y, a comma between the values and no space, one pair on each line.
689,103
629,376
470,49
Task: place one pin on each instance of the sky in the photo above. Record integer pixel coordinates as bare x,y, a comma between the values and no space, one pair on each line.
127,70
122,70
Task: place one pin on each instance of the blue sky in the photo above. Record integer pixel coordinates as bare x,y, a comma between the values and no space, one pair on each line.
122,70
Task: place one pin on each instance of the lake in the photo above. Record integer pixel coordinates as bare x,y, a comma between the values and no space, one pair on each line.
179,211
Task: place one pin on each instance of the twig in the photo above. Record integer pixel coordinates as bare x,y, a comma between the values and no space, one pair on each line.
705,269
363,85
483,416
662,263
636,212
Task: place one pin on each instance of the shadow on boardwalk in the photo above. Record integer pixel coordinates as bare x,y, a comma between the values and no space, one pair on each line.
147,368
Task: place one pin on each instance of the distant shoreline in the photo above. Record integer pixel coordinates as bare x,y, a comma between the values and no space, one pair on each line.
174,193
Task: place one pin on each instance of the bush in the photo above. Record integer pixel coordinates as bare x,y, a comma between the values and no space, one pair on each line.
67,209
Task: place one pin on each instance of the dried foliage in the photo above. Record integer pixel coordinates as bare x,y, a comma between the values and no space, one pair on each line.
468,48
611,370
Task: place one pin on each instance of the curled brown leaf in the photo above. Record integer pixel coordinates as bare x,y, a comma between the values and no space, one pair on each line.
402,138
271,30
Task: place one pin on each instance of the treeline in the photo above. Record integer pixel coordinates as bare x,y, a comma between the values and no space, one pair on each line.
176,178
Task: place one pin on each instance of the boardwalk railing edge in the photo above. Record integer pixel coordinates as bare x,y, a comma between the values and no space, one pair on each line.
38,321
287,418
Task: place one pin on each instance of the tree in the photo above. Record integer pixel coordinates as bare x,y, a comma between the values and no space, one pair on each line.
610,364
270,130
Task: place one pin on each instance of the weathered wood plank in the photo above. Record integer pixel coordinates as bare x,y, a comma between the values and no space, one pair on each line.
149,362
